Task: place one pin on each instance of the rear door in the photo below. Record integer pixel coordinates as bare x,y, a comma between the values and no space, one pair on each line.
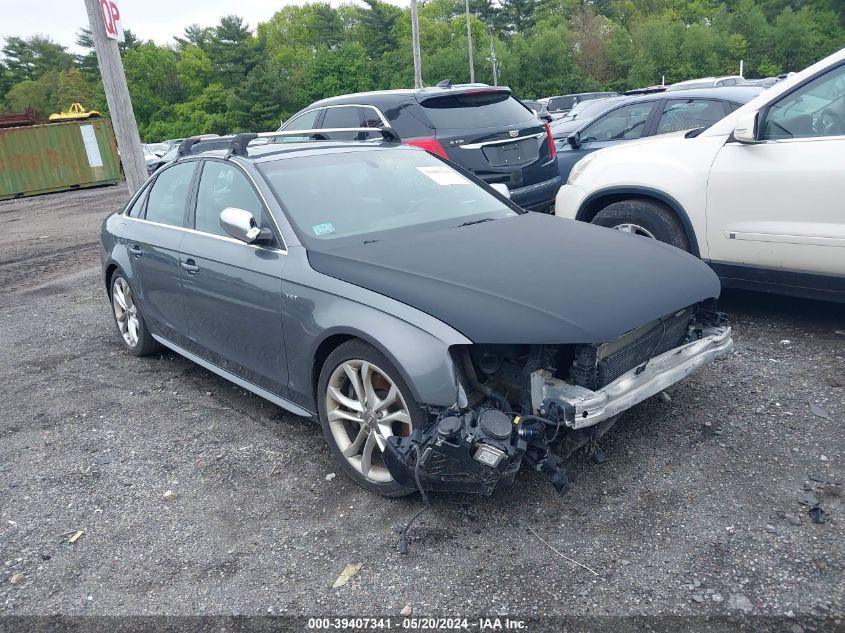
154,250
490,133
233,290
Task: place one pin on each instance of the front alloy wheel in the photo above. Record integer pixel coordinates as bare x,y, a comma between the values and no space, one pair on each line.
363,404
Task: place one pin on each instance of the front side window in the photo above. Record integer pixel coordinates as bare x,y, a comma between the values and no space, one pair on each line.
689,114
627,122
223,186
815,109
383,190
168,197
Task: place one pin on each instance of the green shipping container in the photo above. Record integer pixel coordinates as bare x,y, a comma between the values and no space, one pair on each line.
57,157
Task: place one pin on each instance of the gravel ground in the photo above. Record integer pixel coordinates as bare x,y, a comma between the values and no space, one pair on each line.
696,511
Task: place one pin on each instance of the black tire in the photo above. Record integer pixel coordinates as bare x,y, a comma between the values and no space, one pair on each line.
358,350
145,343
652,216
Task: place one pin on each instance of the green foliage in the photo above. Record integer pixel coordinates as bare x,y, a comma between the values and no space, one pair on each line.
229,77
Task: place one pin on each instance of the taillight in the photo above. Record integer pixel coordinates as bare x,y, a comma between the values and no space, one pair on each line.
552,148
430,145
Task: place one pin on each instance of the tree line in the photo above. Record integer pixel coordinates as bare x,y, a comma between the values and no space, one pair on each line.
230,77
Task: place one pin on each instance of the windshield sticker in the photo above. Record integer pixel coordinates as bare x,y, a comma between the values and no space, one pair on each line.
323,229
442,175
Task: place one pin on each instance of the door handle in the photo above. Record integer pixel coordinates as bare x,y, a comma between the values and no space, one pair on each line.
190,266
136,250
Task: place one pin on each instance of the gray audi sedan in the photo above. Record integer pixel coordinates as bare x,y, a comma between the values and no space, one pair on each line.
441,335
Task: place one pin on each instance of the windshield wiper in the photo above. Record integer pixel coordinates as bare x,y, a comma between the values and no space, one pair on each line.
475,222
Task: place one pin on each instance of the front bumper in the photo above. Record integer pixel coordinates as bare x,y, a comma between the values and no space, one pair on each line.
584,407
568,200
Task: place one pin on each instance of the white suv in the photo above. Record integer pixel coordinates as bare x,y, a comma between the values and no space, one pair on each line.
760,195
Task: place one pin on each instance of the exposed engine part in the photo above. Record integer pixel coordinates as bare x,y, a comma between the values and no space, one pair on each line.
598,365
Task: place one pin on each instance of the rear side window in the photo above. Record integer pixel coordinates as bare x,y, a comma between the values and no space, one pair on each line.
476,110
561,103
137,208
223,186
622,123
168,197
344,116
688,114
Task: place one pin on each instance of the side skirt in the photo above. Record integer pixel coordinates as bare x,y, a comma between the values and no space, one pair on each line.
240,382
788,282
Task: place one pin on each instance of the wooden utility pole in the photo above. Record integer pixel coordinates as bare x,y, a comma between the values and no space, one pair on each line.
469,48
117,96
415,37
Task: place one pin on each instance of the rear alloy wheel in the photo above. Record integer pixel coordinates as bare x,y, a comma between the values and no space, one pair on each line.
645,218
128,318
364,401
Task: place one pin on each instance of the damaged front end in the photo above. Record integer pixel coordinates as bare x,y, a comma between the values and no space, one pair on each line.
537,404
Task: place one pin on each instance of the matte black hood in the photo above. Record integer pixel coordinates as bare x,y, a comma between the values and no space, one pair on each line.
532,278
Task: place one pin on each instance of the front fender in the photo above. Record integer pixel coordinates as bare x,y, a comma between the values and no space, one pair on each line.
322,311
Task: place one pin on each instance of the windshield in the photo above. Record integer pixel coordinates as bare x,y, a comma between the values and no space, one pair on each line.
360,195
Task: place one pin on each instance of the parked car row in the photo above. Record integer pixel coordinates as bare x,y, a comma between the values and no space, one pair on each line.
758,195
617,120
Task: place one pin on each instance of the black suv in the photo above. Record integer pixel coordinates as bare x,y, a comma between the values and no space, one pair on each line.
484,129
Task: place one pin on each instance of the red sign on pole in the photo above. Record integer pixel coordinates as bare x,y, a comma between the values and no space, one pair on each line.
111,19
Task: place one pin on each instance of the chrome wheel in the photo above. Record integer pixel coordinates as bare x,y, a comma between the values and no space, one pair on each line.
636,229
364,407
125,311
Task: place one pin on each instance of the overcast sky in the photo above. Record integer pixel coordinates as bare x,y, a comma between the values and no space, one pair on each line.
157,20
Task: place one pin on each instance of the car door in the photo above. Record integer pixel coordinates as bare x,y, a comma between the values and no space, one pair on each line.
677,115
624,123
233,290
154,250
776,204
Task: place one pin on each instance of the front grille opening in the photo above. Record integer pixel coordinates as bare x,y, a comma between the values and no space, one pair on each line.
596,366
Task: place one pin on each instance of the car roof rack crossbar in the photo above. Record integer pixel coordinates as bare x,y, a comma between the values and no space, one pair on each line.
238,143
323,134
186,145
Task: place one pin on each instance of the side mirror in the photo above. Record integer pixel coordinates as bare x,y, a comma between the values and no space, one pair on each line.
502,188
574,140
240,224
546,117
745,130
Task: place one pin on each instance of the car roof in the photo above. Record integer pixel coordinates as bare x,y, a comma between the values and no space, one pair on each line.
738,94
401,94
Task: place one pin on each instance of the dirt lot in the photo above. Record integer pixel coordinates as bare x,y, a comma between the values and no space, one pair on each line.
696,512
